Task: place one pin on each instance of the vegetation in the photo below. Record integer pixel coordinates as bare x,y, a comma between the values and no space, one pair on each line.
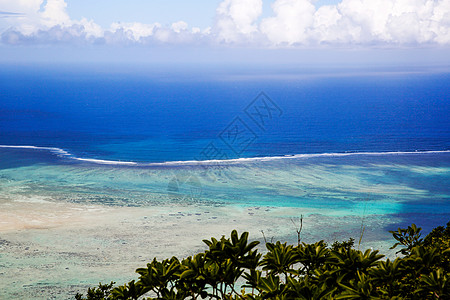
305,271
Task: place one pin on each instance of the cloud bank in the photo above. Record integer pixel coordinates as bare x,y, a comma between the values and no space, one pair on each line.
293,23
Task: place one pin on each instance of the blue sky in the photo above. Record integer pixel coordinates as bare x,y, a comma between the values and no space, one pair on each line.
199,13
127,30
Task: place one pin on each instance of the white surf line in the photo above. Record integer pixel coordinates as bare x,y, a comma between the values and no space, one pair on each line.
106,162
62,152
214,161
51,149
293,156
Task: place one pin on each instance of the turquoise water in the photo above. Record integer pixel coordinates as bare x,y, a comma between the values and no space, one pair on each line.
411,185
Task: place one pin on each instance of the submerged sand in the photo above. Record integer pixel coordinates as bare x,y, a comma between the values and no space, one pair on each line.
53,250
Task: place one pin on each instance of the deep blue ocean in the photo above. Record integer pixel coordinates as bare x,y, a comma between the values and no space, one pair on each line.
147,115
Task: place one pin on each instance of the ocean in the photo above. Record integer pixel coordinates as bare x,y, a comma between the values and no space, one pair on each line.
101,170
148,117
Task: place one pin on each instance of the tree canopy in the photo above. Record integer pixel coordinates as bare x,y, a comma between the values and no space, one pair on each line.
232,268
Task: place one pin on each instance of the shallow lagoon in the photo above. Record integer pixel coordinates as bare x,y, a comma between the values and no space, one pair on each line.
66,224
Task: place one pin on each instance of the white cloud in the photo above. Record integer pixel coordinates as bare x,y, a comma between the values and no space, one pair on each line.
39,21
91,28
236,19
238,22
27,18
142,33
298,22
134,31
290,23
37,16
327,20
397,21
21,6
179,26
441,22
55,14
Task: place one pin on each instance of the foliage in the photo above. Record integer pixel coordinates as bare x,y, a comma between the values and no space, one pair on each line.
103,291
305,271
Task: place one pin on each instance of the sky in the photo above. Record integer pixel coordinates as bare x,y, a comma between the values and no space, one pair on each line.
197,13
47,30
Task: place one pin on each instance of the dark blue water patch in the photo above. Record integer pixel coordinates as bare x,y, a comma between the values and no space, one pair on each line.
11,158
433,205
432,183
425,220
